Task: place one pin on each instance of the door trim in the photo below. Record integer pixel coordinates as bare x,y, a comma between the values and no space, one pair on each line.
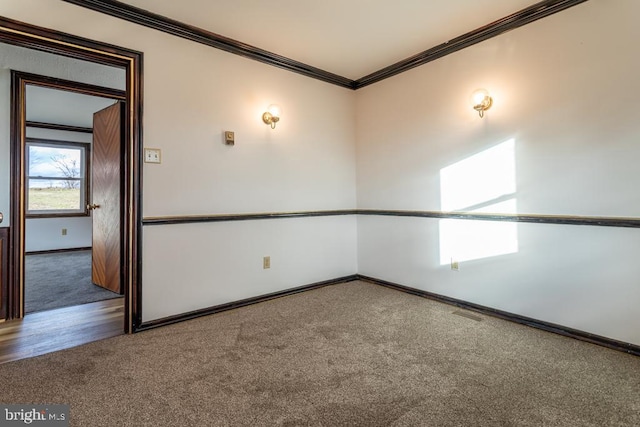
19,83
33,37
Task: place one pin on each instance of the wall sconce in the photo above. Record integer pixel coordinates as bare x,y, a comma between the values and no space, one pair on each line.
272,115
481,101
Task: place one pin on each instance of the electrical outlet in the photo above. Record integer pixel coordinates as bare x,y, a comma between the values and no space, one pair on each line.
266,262
64,231
455,266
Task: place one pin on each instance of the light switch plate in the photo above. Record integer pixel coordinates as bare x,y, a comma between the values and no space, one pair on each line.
152,155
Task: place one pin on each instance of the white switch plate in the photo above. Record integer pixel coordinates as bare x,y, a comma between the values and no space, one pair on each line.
152,155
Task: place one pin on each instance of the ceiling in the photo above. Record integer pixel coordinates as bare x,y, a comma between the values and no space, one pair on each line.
350,38
45,105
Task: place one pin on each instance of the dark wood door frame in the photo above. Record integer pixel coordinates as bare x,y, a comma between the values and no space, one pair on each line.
29,36
19,83
4,270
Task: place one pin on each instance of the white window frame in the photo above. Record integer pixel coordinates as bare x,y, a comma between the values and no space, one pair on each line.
84,149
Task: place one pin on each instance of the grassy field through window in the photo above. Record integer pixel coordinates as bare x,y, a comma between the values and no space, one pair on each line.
54,198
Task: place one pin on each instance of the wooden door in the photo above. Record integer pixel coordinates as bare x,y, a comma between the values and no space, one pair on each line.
106,199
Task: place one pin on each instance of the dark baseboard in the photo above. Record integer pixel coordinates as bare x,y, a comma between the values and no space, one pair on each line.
55,251
534,323
241,303
523,320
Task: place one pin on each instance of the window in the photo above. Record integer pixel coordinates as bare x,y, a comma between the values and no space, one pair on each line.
56,175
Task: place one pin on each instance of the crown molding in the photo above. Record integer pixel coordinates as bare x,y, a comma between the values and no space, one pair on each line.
54,126
161,23
179,29
501,26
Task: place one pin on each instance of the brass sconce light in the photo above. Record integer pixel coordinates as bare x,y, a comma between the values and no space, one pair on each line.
481,101
272,115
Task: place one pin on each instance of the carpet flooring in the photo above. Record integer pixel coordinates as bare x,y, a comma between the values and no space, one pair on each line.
353,354
60,279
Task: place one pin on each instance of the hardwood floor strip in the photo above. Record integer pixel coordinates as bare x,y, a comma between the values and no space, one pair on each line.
53,330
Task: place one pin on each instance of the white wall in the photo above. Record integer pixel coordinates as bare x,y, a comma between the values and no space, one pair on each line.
222,262
45,234
565,89
36,62
5,158
192,93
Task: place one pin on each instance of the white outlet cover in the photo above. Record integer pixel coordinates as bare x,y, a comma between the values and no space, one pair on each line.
152,155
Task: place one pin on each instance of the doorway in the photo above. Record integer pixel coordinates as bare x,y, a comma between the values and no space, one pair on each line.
59,173
129,227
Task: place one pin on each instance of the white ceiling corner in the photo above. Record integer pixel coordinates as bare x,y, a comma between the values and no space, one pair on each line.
351,38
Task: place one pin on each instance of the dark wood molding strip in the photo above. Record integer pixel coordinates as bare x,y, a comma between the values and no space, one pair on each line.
53,126
58,43
71,86
57,251
170,26
5,254
536,219
508,23
166,220
531,218
241,303
523,320
86,145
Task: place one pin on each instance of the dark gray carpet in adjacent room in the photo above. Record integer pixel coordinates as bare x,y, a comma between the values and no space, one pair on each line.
352,354
59,280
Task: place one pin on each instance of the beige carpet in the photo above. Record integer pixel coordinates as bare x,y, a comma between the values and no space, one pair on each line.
351,354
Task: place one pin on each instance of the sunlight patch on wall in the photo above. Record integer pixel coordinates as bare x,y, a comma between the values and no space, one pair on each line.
482,183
